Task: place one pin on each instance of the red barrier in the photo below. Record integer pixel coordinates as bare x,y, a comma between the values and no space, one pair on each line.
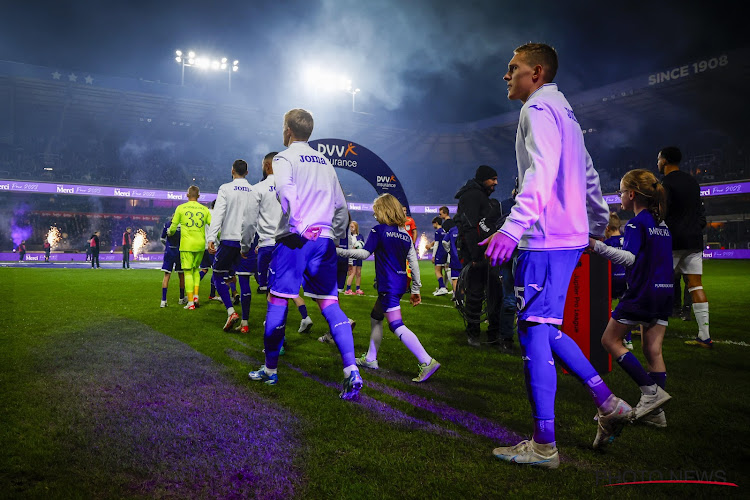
588,307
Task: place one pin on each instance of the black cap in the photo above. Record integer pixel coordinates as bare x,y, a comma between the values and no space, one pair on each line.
484,172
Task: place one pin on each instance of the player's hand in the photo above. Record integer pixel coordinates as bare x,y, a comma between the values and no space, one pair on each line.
256,250
211,247
433,260
243,255
499,248
415,299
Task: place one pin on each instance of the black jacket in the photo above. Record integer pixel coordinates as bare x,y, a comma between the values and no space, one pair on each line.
473,204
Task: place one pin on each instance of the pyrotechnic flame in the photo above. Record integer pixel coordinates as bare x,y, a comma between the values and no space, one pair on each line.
53,236
140,240
422,246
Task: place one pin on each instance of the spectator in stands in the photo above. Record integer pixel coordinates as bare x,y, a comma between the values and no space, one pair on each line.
686,219
474,204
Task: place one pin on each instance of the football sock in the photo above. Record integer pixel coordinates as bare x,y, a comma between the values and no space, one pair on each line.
213,287
700,310
659,378
223,289
569,353
376,337
412,343
246,296
348,287
341,331
196,281
273,336
302,311
244,322
633,368
598,389
441,282
357,287
164,293
629,337
544,431
189,284
182,293
539,368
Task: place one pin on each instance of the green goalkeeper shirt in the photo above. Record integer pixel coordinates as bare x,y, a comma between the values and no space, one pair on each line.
193,219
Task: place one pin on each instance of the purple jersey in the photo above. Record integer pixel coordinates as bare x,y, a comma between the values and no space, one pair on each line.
452,237
618,270
391,245
170,242
649,279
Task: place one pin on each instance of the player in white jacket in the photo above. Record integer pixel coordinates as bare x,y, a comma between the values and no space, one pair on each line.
314,212
262,217
558,205
231,203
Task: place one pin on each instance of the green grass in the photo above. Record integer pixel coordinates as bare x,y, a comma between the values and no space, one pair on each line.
103,394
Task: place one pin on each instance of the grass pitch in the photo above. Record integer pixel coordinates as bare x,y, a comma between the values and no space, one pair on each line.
104,394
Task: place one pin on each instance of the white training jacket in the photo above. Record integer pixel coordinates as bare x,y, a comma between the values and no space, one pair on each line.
230,206
262,215
312,202
560,201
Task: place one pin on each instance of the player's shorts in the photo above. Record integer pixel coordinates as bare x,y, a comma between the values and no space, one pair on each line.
630,318
389,301
208,260
441,256
190,260
357,262
541,284
171,261
687,261
455,266
299,262
228,260
264,260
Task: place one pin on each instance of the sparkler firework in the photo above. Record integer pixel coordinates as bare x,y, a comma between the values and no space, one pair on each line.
422,246
140,241
53,236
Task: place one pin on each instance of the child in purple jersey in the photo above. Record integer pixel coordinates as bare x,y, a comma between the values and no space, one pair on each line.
647,256
439,256
392,247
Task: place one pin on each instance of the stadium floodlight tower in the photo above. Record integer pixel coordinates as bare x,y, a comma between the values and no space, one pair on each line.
348,88
205,63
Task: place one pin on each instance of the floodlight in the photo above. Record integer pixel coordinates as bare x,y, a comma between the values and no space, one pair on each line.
178,52
215,65
191,54
223,66
178,59
234,68
191,61
223,59
236,62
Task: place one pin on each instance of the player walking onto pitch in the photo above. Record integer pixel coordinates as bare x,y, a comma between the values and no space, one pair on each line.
171,262
647,256
192,218
231,202
314,213
392,247
439,255
559,187
354,272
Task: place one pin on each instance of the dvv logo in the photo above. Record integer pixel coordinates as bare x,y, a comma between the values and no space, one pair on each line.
385,181
338,154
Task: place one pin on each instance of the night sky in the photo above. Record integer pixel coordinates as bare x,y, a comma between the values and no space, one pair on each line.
425,60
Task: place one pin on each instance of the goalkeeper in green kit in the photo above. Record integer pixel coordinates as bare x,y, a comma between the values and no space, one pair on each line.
192,217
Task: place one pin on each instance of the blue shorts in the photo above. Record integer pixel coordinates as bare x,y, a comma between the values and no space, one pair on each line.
264,260
171,261
228,260
208,260
456,267
541,283
357,263
631,318
390,301
310,264
441,256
